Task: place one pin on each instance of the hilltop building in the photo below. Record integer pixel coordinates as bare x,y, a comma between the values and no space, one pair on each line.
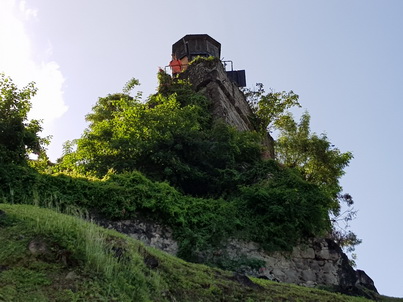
192,46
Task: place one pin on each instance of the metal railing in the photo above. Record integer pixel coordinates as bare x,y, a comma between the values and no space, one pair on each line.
186,65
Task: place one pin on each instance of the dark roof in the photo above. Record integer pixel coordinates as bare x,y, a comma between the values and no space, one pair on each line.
197,44
199,37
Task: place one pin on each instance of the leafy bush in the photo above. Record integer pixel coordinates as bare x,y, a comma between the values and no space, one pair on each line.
282,210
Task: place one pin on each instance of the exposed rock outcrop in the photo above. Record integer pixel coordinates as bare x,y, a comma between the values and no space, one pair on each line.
319,262
364,280
151,233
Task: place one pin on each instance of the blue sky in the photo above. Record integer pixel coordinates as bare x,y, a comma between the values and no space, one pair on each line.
343,57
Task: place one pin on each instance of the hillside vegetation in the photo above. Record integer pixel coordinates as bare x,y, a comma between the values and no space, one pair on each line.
47,256
167,159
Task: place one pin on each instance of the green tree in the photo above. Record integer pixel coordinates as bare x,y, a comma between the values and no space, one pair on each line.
319,161
97,150
18,135
269,107
341,232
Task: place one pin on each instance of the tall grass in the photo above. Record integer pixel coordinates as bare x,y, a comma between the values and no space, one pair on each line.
93,247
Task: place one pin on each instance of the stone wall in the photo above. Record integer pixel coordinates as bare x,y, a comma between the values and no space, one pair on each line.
228,102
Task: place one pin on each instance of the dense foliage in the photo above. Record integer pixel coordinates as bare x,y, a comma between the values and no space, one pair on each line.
171,137
272,213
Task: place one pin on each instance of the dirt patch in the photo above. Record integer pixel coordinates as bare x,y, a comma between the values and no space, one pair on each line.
245,281
151,262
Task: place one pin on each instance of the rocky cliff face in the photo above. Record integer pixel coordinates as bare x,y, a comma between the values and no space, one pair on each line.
318,262
209,78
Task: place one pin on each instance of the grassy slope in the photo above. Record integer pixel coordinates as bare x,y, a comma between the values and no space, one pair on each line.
47,256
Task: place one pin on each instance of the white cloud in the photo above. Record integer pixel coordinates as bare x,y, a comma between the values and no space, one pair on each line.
16,61
27,12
